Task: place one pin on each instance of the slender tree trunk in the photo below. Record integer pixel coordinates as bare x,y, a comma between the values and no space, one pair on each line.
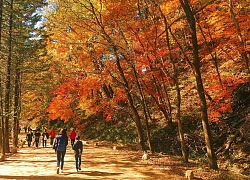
16,103
2,150
196,64
132,106
1,91
176,82
144,109
160,101
213,55
244,54
8,81
178,92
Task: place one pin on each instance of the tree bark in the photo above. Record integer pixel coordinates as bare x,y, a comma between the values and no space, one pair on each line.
177,88
17,105
196,64
244,54
1,92
8,81
2,149
132,106
144,109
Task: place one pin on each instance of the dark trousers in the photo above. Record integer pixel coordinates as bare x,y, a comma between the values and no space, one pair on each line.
37,142
52,140
60,158
78,160
72,142
29,143
44,143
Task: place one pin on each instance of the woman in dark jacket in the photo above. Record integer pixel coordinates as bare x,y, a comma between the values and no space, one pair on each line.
29,137
60,145
37,137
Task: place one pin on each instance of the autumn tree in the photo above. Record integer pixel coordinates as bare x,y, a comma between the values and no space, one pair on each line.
138,56
94,15
196,64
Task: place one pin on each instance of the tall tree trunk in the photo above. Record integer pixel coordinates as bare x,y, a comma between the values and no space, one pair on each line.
2,150
144,109
8,81
16,103
178,91
196,64
132,106
1,92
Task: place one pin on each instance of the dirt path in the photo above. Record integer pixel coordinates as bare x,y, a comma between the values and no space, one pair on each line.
99,162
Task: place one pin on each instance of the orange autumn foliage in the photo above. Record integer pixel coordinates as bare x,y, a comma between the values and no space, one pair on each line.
91,38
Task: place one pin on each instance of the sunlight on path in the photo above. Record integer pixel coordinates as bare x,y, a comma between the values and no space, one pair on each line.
98,163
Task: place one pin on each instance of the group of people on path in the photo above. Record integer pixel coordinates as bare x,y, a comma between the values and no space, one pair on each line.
59,143
60,146
33,138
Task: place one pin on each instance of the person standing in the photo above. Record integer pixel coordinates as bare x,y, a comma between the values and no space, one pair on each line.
52,135
77,147
45,136
37,137
25,129
60,145
72,137
29,137
19,129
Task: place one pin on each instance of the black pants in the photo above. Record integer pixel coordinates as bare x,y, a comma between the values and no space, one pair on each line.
29,143
37,142
72,142
78,160
60,158
51,141
44,143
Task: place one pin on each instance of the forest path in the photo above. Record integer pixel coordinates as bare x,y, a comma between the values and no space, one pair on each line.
98,162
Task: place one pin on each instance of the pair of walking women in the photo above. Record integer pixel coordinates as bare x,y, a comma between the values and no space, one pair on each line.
60,146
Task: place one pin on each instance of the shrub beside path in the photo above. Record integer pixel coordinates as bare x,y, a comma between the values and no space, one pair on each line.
98,162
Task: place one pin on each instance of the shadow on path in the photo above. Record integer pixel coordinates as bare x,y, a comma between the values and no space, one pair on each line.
102,162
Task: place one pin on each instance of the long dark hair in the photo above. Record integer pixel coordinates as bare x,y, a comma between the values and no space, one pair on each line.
63,131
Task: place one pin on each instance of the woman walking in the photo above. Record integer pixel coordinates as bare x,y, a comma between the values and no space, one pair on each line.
45,136
60,148
37,137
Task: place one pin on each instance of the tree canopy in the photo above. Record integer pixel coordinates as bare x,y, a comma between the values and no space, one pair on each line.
145,64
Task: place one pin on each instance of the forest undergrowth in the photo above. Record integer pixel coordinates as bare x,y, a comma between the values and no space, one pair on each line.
232,158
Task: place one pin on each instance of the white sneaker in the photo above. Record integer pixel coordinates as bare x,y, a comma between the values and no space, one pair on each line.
76,170
61,171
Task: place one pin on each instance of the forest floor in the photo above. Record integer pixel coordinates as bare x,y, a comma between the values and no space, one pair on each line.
101,161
